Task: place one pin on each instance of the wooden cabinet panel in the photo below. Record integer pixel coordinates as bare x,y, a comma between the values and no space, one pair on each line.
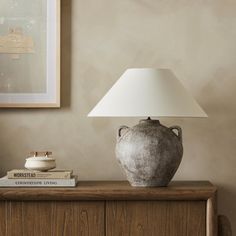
47,218
110,208
83,218
3,215
28,218
152,218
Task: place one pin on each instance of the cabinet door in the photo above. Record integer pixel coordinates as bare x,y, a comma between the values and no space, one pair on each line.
156,218
47,218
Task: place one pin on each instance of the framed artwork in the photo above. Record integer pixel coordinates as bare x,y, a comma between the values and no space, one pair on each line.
30,53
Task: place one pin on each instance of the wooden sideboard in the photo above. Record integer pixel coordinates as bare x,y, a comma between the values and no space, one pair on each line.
110,209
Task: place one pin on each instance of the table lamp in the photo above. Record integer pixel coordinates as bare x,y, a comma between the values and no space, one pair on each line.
150,153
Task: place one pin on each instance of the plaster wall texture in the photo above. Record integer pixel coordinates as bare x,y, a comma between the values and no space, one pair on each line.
102,38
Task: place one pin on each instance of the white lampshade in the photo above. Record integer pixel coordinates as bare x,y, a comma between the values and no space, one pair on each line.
147,92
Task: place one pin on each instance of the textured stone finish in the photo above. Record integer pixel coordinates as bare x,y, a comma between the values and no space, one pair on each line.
149,152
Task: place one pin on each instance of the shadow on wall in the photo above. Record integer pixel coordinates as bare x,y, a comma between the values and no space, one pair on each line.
220,103
226,199
219,93
65,53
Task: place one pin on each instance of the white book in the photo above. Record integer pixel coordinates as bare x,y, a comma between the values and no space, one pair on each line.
5,182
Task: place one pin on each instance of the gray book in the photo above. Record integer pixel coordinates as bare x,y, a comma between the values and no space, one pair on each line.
5,182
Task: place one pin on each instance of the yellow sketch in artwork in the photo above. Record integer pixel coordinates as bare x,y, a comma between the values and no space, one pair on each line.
15,42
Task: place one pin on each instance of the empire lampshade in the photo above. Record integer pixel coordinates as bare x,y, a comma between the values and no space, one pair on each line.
145,92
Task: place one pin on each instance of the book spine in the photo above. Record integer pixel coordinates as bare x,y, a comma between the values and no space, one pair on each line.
38,183
38,175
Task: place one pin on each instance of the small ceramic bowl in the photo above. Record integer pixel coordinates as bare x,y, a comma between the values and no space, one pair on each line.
40,163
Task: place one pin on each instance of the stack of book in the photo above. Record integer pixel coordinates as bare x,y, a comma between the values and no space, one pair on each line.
31,178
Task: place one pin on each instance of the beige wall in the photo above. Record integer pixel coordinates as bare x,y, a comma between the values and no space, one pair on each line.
101,38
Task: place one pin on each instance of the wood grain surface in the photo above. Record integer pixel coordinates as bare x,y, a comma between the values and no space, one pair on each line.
156,218
3,216
114,190
108,208
46,218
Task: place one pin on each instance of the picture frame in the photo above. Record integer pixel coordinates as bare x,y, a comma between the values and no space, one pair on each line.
30,53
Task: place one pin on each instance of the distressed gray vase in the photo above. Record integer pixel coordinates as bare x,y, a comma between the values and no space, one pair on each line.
149,152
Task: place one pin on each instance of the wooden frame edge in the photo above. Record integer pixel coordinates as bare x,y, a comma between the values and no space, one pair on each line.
58,89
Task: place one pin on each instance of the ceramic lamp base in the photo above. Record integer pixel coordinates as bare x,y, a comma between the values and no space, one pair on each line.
149,153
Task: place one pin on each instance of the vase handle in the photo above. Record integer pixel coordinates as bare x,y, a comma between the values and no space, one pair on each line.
119,134
179,131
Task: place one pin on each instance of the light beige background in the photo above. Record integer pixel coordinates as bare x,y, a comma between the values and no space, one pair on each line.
100,39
